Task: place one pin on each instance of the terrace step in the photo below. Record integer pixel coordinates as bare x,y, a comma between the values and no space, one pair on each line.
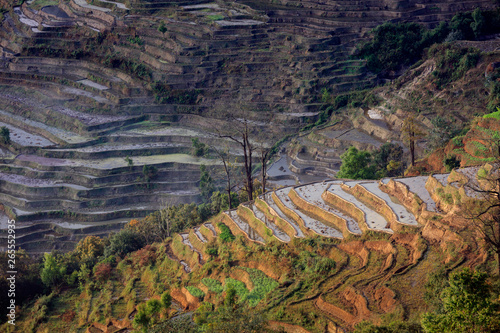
313,194
372,219
400,212
245,227
307,222
276,210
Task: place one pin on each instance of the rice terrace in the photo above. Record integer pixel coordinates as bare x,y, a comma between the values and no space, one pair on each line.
249,166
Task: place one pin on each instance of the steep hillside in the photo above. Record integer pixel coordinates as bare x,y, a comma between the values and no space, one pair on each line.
321,257
97,94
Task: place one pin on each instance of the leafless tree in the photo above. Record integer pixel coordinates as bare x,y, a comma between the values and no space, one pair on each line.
229,168
485,215
240,133
265,154
411,133
165,223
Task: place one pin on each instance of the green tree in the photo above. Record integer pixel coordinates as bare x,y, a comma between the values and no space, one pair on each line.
199,148
393,46
166,300
356,165
478,23
52,273
466,306
462,23
162,28
130,162
149,172
123,242
206,183
142,319
442,132
388,160
4,135
153,308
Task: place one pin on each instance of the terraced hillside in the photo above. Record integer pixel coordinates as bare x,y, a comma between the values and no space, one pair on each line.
96,94
383,236
320,257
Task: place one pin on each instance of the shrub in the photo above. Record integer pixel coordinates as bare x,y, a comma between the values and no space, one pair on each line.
238,286
466,306
4,135
162,28
196,292
393,46
226,235
102,271
262,285
53,272
90,249
213,285
451,163
166,300
199,148
452,62
356,165
125,241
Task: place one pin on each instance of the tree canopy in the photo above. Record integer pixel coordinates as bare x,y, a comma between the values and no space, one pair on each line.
356,165
467,306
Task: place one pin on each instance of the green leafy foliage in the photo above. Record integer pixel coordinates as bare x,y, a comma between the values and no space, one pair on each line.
393,46
239,287
466,306
226,235
388,160
4,135
142,319
313,264
206,183
162,28
397,45
443,130
52,273
196,292
262,286
230,317
150,172
199,148
493,115
123,242
452,62
451,163
166,300
220,201
356,165
213,285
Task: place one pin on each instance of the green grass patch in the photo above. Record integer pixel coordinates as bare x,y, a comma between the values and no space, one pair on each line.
216,17
494,115
226,235
196,292
38,4
262,285
213,285
241,289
